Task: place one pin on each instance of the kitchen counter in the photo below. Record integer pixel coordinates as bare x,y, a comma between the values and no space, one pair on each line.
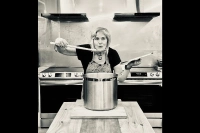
135,121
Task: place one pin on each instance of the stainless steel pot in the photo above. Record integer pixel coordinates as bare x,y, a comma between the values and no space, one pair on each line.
100,91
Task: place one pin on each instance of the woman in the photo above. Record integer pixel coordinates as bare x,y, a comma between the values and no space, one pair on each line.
105,59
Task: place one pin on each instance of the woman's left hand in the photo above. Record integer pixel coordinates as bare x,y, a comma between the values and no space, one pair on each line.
133,63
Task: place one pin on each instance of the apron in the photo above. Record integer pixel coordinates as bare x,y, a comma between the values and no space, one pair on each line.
94,67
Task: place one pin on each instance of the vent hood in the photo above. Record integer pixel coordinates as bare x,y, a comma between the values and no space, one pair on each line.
136,17
73,17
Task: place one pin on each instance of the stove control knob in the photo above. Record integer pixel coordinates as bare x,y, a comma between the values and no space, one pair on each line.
81,74
76,74
50,74
44,75
157,74
151,74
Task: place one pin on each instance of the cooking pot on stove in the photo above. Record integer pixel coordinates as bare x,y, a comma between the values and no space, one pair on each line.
100,91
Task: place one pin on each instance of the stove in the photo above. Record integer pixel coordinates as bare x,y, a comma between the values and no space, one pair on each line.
76,73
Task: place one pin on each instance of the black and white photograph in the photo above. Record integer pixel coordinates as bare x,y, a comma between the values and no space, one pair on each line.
100,66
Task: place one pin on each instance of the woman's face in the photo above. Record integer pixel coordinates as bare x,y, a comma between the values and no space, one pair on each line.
100,41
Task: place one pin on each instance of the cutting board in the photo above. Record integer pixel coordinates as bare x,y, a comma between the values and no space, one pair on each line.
80,112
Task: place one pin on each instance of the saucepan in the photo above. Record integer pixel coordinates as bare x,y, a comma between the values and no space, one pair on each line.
100,91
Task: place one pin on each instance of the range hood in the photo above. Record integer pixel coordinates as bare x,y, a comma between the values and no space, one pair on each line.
70,17
135,17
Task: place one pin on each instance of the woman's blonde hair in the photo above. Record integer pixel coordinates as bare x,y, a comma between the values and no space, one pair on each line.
105,32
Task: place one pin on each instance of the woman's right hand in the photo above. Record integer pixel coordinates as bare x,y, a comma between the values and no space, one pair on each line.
60,42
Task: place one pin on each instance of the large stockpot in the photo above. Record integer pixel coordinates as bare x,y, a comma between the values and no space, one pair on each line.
100,91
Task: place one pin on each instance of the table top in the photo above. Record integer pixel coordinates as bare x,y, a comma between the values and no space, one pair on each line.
136,121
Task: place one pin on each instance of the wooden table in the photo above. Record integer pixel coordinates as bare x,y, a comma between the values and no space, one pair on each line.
136,122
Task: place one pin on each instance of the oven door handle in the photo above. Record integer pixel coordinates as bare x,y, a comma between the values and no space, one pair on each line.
60,82
142,82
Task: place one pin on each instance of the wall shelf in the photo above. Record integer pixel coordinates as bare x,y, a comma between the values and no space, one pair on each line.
135,17
118,17
71,17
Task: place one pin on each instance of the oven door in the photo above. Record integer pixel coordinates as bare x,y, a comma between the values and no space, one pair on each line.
149,97
52,96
